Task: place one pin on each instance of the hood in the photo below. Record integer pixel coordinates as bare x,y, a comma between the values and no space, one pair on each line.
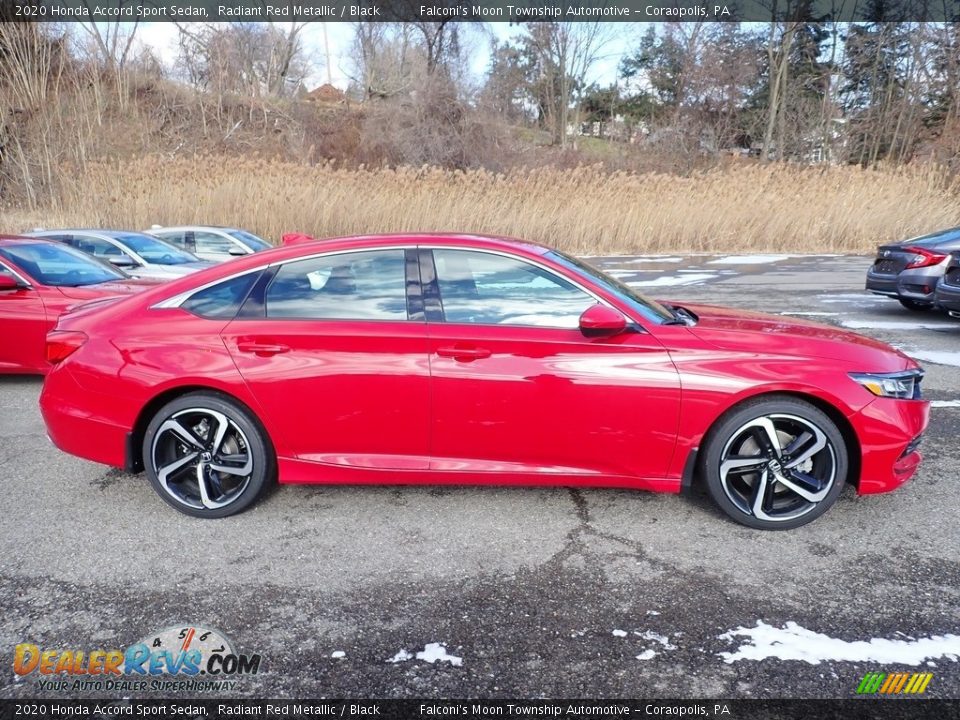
168,272
107,289
744,331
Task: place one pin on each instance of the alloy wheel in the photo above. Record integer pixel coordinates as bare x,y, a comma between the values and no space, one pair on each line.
778,467
202,458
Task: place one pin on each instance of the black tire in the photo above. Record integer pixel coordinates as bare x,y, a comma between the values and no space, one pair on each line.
914,305
735,480
238,464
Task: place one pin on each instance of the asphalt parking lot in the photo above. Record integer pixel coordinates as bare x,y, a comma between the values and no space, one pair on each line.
537,592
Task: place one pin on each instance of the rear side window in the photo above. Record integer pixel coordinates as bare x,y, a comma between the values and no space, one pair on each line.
369,285
223,300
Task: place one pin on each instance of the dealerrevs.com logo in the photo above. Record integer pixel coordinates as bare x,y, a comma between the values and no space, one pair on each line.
180,658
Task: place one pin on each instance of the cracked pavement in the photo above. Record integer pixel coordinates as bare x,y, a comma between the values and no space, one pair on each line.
526,585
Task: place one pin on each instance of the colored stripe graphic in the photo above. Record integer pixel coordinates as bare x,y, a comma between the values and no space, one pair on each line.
871,683
894,683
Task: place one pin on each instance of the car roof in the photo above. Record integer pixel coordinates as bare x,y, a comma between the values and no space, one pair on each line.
113,234
194,227
489,242
21,240
287,253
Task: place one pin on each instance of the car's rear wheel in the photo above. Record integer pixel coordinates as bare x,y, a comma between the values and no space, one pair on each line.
775,463
207,456
914,305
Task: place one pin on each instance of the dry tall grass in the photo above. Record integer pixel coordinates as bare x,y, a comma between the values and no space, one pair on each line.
738,208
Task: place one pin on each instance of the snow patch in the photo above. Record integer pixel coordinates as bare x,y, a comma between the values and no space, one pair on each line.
937,357
655,259
793,642
401,656
619,633
748,259
436,652
669,280
810,314
662,639
888,325
647,655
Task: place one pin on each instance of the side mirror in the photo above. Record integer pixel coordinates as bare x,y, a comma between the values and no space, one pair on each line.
9,282
122,261
234,250
602,321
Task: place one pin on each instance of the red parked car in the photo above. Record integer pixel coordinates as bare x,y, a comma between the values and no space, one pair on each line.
39,280
465,359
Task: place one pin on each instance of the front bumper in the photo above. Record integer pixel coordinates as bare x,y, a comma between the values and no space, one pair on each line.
889,431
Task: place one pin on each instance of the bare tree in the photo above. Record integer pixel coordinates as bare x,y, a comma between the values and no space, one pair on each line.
567,51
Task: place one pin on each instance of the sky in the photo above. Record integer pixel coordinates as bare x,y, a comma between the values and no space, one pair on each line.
162,38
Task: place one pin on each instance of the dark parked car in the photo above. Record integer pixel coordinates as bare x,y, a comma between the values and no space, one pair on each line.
910,270
948,291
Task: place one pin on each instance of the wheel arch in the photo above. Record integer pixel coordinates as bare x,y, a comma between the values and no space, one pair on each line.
836,415
134,444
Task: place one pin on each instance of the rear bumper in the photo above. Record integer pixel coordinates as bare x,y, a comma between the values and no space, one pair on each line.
80,431
918,285
948,297
889,432
882,284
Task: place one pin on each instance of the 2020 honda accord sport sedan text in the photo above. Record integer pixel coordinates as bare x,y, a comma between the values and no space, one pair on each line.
465,359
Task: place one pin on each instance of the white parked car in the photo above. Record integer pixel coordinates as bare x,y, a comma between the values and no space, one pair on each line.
138,254
211,242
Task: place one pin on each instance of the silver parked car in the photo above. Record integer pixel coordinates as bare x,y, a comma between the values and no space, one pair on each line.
138,254
909,271
211,242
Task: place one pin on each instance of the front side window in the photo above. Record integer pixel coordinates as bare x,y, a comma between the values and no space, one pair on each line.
94,246
649,308
478,287
250,240
156,251
58,265
174,238
208,242
369,285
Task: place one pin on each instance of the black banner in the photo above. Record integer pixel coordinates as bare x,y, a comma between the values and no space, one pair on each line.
854,709
481,10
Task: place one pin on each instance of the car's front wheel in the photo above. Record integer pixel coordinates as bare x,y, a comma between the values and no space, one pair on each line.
207,456
775,463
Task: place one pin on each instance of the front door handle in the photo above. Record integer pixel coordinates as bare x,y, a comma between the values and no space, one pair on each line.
463,354
262,349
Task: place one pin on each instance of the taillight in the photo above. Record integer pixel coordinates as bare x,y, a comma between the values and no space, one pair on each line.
61,344
924,257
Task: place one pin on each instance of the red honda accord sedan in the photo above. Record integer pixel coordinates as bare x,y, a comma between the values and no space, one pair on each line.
466,359
40,279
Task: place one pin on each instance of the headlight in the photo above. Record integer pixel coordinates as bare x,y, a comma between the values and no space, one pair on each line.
902,385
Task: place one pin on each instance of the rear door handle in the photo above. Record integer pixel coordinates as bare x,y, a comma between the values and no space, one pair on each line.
262,349
463,354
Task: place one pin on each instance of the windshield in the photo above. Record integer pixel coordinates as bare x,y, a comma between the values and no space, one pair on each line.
156,252
58,265
250,240
650,309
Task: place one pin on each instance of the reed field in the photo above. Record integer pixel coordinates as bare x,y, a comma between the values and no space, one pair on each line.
742,207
